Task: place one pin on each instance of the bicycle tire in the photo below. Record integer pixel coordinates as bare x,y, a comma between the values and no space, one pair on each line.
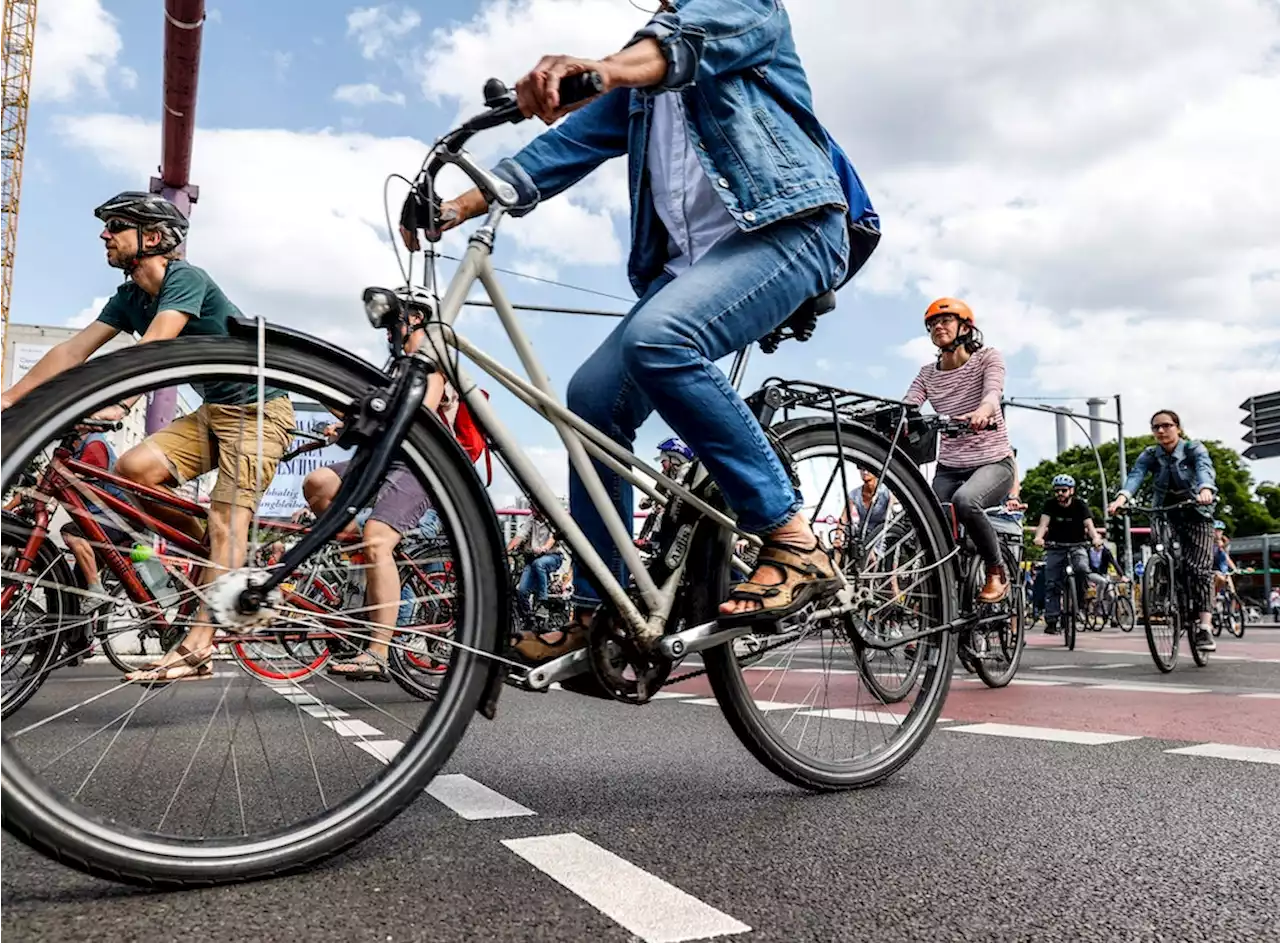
1160,608
1122,609
49,635
1198,655
418,675
1235,616
1070,614
86,841
732,692
1011,636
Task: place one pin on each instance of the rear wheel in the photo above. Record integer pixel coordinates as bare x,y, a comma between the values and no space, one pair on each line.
40,610
239,777
802,717
1122,611
1160,616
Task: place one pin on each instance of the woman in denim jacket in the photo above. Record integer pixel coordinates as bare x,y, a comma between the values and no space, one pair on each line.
1182,469
742,209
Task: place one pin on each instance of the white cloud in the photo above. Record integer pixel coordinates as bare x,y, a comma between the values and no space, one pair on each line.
128,78
366,94
1107,208
282,61
87,315
76,46
376,29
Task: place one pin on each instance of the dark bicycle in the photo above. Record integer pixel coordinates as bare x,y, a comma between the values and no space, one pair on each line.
1111,606
1167,612
1070,616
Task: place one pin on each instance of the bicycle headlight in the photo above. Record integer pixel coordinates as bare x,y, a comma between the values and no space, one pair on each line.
381,307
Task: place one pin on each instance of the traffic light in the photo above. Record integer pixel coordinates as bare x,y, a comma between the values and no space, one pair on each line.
1263,420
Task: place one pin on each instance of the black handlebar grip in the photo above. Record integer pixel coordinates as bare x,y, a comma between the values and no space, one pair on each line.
580,87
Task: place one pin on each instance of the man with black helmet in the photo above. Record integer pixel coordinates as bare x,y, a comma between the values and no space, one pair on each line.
164,297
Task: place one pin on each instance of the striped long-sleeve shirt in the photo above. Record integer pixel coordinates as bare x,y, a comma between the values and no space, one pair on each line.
961,391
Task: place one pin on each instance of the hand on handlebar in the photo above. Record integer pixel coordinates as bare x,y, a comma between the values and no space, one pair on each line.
978,420
538,93
110,414
1116,505
416,215
1206,496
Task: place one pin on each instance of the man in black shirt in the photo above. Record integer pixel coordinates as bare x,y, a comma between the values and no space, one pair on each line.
1064,519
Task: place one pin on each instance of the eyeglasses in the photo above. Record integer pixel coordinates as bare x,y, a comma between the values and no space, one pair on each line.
1161,426
116,226
937,319
1061,490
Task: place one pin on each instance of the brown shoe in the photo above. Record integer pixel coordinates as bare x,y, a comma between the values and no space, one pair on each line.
536,648
996,587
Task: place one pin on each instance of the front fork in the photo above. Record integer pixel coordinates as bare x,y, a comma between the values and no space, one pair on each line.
376,425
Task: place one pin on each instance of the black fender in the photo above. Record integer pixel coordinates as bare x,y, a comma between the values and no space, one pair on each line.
783,430
284,338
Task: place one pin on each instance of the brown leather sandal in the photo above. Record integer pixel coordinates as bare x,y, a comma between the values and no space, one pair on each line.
535,648
808,575
194,666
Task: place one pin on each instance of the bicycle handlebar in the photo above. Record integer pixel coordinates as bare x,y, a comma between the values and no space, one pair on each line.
1073,545
502,109
1128,508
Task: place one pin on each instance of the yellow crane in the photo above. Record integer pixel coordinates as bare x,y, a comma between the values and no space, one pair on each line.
18,39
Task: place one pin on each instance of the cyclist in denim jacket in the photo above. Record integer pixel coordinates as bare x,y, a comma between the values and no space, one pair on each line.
1181,469
742,209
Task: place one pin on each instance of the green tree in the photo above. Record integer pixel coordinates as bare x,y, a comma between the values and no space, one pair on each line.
1244,513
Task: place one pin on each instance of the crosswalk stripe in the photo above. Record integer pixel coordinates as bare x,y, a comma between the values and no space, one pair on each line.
1225,751
640,902
1043,733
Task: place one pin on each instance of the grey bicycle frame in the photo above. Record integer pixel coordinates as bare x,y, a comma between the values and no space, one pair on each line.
582,440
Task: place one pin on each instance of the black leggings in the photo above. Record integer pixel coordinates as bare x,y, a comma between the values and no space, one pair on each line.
971,491
1195,533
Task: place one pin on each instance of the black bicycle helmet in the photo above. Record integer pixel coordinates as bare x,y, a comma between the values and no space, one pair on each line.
150,212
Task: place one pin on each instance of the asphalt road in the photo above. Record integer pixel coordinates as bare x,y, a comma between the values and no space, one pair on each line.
573,819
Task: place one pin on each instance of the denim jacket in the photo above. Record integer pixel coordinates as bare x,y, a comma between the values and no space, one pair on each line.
750,115
1195,467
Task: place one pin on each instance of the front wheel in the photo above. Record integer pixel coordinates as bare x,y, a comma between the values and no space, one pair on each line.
1004,641
1160,616
1122,612
805,709
1070,614
233,775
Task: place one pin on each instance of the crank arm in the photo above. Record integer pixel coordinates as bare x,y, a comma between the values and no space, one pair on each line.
558,669
699,638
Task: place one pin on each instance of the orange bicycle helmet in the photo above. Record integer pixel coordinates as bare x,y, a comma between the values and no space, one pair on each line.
950,306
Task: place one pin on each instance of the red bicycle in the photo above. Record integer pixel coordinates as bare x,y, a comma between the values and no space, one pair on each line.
50,620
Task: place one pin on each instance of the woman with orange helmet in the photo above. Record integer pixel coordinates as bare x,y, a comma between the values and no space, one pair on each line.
974,472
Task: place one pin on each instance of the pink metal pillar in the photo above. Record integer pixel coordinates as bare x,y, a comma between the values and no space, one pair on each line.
183,29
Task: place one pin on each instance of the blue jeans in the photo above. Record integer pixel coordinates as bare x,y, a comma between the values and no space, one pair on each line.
662,355
536,578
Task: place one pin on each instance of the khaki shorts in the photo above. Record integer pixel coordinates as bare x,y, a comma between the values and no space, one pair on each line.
226,438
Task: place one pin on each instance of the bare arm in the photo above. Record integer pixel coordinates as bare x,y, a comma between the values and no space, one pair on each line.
1041,528
70,353
1090,530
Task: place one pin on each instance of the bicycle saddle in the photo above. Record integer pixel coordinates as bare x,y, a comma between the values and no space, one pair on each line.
801,323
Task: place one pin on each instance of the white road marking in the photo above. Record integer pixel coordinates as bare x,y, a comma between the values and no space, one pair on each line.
760,705
1264,694
1053,667
473,800
352,728
323,711
670,695
643,904
1225,751
1043,733
382,750
859,715
1148,688
1120,664
1038,682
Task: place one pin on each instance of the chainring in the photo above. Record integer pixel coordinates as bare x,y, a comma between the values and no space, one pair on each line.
621,666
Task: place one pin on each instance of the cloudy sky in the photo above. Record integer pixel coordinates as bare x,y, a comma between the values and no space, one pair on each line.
1099,180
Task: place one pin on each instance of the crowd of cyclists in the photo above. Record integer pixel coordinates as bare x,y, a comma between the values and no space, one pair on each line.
704,245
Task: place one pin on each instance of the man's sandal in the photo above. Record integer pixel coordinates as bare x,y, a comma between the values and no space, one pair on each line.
194,666
807,577
364,667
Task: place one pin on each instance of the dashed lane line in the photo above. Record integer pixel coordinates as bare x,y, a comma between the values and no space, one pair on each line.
1226,751
1085,737
642,903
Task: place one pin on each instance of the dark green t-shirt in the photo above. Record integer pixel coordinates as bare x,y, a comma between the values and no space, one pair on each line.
190,290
